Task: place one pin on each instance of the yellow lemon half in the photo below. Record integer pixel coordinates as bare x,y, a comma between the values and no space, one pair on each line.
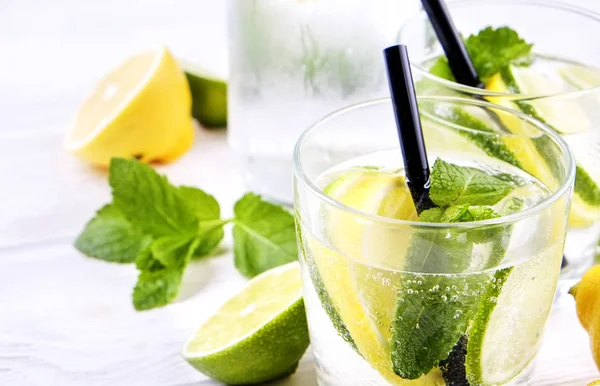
141,109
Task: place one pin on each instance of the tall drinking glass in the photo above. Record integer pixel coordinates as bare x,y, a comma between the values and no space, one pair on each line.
561,88
390,298
292,62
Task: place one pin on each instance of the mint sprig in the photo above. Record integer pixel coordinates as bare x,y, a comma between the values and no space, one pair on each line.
430,318
162,227
491,50
426,314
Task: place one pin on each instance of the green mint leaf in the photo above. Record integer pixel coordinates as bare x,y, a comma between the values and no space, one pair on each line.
427,317
110,237
207,211
159,283
145,261
442,69
202,204
156,288
263,236
426,313
172,251
148,201
494,49
455,185
491,50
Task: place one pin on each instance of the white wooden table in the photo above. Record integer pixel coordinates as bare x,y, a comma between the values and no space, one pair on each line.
66,319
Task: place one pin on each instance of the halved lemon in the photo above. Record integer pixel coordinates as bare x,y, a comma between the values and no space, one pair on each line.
141,109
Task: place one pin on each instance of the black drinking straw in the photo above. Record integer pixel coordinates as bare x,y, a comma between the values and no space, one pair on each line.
458,58
408,124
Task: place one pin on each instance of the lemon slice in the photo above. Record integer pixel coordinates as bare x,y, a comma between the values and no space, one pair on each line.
354,288
581,77
586,201
258,335
524,149
562,114
375,192
141,109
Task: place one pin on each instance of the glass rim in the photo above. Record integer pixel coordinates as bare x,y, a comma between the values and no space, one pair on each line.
550,4
565,185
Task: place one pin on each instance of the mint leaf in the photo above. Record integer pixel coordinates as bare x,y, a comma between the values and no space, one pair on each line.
442,69
455,185
172,251
207,211
441,250
110,237
264,236
156,288
146,262
159,283
148,201
491,50
426,312
494,49
427,325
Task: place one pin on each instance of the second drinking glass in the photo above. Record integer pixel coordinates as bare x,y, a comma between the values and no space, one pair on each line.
558,84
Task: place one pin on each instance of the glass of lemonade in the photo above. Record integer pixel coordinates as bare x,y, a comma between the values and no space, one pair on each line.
396,298
560,87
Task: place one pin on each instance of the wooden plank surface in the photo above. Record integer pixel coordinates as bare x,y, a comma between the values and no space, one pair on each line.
66,319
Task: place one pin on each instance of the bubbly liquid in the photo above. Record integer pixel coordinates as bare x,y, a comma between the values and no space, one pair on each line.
355,282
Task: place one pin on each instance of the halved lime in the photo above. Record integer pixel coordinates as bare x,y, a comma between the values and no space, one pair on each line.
506,336
258,335
209,96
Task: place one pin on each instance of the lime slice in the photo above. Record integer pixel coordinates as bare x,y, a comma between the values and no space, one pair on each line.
581,77
258,335
505,337
140,109
209,96
563,115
